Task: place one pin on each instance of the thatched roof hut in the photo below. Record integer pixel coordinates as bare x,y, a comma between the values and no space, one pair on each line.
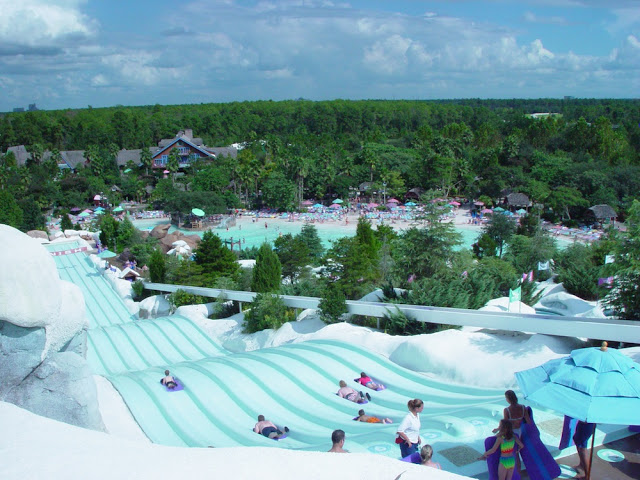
603,212
518,200
414,193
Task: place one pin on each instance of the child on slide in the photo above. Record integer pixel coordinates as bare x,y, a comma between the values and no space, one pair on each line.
366,381
362,417
506,440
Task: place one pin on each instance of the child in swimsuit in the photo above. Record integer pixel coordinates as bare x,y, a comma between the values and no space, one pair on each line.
506,440
366,381
362,417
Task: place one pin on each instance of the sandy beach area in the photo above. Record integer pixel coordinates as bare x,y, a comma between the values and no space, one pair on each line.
348,224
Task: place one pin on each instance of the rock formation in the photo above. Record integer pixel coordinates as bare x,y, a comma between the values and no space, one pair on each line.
43,336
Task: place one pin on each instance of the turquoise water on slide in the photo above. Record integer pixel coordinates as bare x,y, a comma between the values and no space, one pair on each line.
291,385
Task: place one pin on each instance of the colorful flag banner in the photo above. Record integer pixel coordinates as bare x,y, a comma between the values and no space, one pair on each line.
543,265
515,295
609,259
527,277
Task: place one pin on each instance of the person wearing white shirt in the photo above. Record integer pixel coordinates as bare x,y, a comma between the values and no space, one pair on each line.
409,429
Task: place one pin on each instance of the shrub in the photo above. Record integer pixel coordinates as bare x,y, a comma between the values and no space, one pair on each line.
181,297
138,289
267,311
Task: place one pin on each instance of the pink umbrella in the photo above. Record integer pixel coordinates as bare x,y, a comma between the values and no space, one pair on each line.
166,171
479,204
486,210
335,205
393,200
372,205
307,202
457,204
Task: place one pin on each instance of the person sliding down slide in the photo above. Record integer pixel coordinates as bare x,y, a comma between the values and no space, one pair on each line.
362,417
168,381
366,381
350,394
268,429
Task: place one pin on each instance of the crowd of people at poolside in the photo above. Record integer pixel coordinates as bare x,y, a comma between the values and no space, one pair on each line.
507,435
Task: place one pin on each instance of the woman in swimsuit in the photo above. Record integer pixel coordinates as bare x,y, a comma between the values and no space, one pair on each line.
506,440
515,412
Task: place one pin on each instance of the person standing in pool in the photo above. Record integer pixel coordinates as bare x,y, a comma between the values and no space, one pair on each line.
506,441
268,429
409,429
581,438
426,453
337,438
515,412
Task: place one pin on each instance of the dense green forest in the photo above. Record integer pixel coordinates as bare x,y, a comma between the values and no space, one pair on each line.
586,154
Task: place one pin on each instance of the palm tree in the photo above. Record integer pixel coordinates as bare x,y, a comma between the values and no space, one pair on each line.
146,159
173,164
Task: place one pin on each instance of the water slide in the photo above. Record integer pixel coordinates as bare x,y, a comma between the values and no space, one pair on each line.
291,385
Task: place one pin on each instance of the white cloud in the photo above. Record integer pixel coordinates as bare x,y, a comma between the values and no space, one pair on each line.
531,17
43,23
388,56
278,74
99,81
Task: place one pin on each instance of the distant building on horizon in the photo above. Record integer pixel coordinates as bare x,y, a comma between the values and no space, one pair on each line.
32,108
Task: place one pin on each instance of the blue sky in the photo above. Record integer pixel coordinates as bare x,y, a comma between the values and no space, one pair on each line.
74,53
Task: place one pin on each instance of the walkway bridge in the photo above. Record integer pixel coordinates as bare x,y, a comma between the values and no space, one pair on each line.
626,331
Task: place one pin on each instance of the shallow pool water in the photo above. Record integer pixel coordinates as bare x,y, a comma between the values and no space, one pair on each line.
255,234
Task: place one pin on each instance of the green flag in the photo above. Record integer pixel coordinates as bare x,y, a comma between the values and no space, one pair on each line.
515,295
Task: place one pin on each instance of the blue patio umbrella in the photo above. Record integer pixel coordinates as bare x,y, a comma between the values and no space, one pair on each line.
410,204
337,200
594,385
318,205
107,254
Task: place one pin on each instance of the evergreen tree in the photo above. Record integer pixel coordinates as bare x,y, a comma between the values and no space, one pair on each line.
500,229
65,223
267,274
625,294
333,303
293,255
309,236
10,212
127,234
215,259
366,237
109,232
157,266
32,217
